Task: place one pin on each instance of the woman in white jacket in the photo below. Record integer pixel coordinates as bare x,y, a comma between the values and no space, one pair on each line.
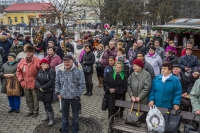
99,67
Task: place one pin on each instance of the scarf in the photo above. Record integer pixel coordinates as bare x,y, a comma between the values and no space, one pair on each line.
11,63
79,46
99,53
151,54
121,74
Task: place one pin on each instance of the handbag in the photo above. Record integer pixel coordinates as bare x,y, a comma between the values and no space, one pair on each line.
13,87
133,117
104,105
99,65
155,120
87,69
190,129
172,122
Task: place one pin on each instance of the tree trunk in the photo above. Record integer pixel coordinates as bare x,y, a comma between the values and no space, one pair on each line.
102,26
117,24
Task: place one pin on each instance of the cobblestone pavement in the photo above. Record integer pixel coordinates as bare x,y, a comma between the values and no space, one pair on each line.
17,123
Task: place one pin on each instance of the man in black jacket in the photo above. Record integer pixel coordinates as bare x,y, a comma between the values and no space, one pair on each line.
49,38
130,40
106,39
141,47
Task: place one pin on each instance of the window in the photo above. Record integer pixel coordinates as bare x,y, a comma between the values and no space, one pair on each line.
22,19
15,19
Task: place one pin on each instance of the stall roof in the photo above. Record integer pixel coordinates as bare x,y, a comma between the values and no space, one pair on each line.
185,21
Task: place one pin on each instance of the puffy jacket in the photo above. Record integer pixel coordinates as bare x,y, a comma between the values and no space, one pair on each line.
45,80
155,61
161,52
106,39
6,46
16,49
167,94
106,54
189,62
195,96
88,60
54,61
142,49
172,59
27,72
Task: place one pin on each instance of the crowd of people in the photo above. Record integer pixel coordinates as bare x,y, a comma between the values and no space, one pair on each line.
53,67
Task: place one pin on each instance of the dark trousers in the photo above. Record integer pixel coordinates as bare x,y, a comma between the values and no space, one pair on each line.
75,105
14,102
48,106
100,72
88,78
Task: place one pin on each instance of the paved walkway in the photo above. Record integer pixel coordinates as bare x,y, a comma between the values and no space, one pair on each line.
17,123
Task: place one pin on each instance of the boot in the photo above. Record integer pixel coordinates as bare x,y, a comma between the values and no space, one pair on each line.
90,90
51,118
99,79
46,118
87,89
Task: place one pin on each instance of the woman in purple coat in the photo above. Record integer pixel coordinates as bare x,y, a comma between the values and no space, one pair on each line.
171,47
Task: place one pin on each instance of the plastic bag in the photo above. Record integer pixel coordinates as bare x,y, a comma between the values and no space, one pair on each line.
155,120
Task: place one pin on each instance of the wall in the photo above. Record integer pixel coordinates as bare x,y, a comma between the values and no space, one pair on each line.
25,16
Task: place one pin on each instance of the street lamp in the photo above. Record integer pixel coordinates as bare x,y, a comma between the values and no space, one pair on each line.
4,19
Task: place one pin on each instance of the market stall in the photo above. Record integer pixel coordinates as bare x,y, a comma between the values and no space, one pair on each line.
181,30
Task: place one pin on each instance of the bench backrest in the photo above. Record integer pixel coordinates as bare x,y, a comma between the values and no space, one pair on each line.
145,108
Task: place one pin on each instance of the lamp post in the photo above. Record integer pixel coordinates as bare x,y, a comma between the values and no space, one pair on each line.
4,18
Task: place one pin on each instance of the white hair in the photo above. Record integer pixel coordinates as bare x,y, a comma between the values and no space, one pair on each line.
140,41
48,32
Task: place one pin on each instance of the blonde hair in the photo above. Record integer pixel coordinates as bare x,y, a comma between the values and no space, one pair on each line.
120,43
101,45
3,38
170,42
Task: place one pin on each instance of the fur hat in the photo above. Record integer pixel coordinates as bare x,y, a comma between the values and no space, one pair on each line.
30,49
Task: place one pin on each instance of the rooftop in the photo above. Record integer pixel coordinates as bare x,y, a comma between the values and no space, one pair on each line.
21,7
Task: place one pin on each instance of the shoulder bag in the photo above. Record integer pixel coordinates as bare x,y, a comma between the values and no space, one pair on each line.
133,117
191,129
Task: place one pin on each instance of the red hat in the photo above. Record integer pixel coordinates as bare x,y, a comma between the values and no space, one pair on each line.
44,61
138,62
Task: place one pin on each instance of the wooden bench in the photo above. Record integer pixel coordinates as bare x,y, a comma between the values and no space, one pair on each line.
119,123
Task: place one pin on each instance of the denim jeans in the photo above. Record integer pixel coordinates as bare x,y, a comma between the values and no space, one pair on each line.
75,105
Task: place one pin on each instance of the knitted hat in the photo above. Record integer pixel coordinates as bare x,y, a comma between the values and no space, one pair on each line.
13,55
30,49
197,69
44,61
138,62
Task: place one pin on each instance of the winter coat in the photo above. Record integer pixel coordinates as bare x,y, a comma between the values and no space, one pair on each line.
172,59
55,60
161,52
183,52
149,69
107,69
41,48
70,46
88,60
139,85
60,53
195,96
184,81
189,62
21,55
118,84
130,40
142,49
112,32
172,49
106,39
27,72
147,39
132,54
69,84
167,94
51,38
106,54
16,49
6,46
45,80
190,83
155,61
96,57
7,69
81,55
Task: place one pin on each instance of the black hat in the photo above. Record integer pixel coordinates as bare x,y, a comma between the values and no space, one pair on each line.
90,35
20,35
15,33
176,65
30,49
12,54
67,57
